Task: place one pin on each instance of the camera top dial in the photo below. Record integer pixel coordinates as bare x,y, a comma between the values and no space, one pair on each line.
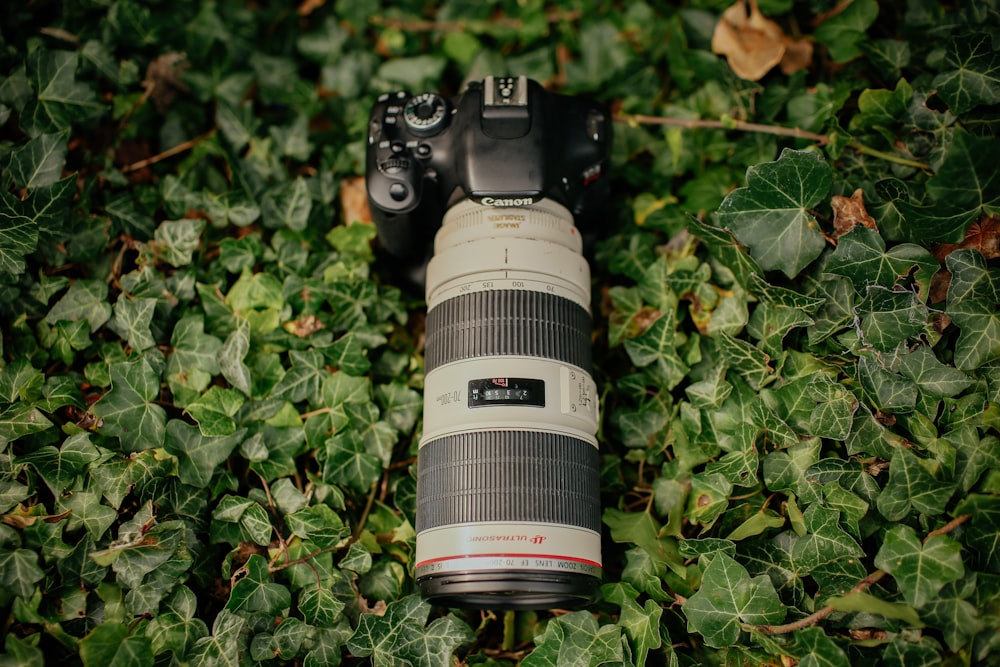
425,114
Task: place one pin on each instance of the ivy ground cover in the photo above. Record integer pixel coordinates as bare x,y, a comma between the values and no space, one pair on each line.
210,375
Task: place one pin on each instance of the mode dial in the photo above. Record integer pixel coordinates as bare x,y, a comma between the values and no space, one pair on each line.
425,114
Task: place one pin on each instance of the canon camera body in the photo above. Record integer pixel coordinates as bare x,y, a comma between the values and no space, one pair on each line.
507,179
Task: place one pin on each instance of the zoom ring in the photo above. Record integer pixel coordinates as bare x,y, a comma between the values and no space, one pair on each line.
508,323
531,476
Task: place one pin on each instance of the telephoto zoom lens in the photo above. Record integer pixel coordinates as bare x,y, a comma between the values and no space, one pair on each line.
508,491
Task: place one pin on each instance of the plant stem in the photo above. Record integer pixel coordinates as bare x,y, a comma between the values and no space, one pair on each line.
813,619
509,630
888,157
733,124
872,578
170,152
777,130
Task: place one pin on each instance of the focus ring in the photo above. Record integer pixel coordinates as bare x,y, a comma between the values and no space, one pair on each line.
494,323
532,476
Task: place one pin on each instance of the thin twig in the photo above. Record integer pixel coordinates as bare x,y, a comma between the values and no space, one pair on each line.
364,515
813,619
872,578
170,152
733,124
777,130
304,560
948,527
419,25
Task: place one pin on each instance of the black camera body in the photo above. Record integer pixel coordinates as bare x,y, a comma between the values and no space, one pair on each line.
504,142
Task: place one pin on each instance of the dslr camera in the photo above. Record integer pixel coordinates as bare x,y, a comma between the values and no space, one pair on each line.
508,181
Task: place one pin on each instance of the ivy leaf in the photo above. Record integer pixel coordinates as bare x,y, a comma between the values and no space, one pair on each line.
255,592
728,599
304,380
289,207
655,347
889,318
818,650
970,73
861,256
214,411
576,640
964,188
397,636
198,455
40,161
825,541
84,300
952,612
971,278
843,32
111,645
932,377
132,319
319,606
641,623
920,570
20,571
348,463
18,236
973,298
176,240
129,410
911,487
231,357
772,215
61,100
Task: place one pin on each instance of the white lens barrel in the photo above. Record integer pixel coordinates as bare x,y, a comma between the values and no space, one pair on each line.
508,491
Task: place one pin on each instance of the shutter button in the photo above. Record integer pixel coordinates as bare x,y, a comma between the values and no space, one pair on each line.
398,191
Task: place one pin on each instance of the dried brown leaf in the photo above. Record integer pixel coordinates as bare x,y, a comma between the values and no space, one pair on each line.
983,236
849,212
754,44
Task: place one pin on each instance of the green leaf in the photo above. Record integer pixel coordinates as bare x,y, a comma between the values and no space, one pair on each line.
890,318
930,375
655,348
398,636
214,411
231,357
772,216
132,319
20,571
40,161
85,300
753,364
970,73
641,623
304,380
111,645
199,455
289,207
576,640
349,464
843,32
912,487
129,410
861,256
920,570
818,650
177,240
61,100
728,599
255,592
